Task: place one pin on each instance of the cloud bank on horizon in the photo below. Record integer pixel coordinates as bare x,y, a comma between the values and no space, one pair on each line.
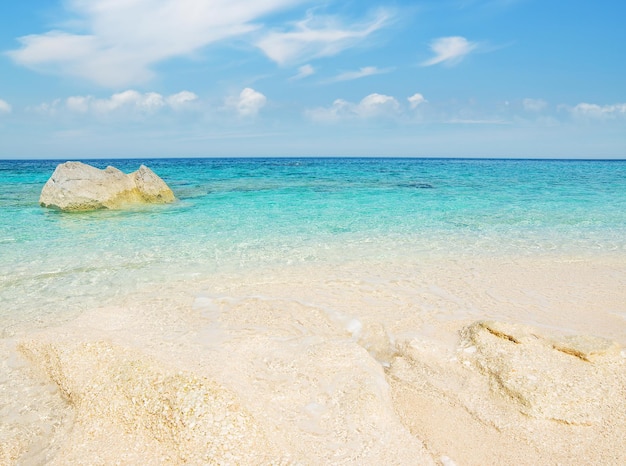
298,67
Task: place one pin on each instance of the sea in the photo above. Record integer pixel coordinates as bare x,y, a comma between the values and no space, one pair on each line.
234,214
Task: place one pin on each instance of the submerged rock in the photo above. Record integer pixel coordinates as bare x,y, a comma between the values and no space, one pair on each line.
76,186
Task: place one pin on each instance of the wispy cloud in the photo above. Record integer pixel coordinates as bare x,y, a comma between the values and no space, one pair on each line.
469,121
120,42
303,72
360,73
598,112
124,39
534,105
46,108
373,105
450,50
318,36
488,3
5,107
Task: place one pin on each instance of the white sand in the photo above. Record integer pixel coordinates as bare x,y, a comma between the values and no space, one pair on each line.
363,363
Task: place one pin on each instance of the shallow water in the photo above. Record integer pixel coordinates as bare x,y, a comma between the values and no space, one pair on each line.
235,214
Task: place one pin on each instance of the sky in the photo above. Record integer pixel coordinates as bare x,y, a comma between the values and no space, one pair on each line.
246,78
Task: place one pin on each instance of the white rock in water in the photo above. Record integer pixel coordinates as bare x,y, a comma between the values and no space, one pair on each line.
77,186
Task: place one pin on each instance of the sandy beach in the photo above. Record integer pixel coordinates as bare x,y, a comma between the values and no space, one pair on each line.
441,361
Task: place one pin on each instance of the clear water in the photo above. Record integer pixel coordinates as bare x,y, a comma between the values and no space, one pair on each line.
251,213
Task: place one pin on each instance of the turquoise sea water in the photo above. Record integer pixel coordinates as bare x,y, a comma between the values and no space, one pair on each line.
250,213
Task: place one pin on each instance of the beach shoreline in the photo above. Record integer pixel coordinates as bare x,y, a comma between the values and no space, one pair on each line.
338,364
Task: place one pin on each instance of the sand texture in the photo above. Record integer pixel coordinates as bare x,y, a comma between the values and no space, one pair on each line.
385,364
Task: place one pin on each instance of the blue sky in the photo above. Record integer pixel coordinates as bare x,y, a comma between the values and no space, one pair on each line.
431,78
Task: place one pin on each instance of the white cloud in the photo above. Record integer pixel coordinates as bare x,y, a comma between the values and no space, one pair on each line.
5,107
181,100
317,37
128,101
377,104
600,112
124,39
534,105
373,105
450,50
416,100
361,73
46,108
303,72
250,102
79,104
